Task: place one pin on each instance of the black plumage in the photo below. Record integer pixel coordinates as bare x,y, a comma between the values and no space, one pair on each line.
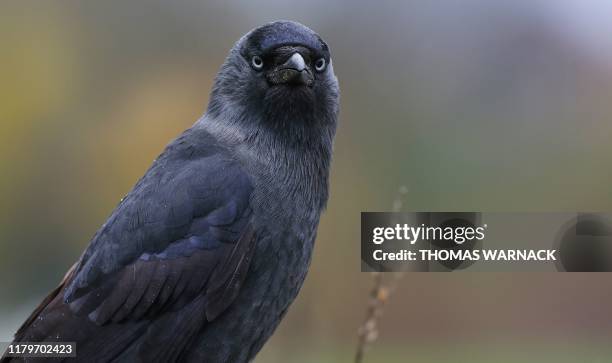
200,261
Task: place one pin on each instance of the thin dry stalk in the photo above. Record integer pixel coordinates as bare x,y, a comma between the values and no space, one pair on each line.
379,295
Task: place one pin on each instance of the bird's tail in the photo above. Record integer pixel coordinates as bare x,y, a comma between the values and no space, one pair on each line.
163,339
53,321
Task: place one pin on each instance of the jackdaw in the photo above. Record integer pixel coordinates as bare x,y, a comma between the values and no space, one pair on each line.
201,260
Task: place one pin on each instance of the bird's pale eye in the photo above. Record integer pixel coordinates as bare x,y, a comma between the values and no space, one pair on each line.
257,62
320,64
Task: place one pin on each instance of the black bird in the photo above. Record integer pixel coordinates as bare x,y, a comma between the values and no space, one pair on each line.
201,260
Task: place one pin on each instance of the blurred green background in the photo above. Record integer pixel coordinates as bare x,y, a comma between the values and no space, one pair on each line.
471,105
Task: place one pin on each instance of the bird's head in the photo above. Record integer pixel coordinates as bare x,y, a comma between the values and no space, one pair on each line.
280,73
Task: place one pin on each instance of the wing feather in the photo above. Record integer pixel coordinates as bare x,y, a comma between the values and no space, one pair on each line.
173,254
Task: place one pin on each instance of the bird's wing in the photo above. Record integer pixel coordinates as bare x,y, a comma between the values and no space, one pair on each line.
180,231
184,233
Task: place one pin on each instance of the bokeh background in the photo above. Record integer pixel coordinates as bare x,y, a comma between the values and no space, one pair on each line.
471,105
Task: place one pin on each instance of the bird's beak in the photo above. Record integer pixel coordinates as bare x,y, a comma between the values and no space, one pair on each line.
296,61
293,71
